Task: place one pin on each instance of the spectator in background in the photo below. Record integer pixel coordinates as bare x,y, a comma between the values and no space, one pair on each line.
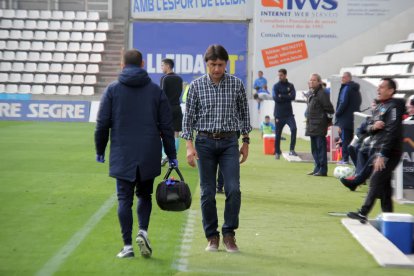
320,113
267,127
134,112
218,110
172,85
260,86
410,108
386,140
349,101
284,93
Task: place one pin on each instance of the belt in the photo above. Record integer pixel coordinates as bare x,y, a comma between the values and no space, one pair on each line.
217,135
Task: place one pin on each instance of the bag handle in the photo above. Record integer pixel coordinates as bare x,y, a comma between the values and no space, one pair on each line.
170,169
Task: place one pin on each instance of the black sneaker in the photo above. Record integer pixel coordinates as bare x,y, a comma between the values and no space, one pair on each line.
293,153
144,244
126,253
357,216
277,156
348,183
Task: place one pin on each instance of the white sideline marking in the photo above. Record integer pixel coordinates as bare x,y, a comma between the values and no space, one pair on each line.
181,264
53,264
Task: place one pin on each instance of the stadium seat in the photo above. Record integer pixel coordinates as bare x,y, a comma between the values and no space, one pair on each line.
42,25
57,15
88,36
18,24
22,14
399,47
70,57
405,84
5,66
403,57
85,47
90,79
24,89
39,35
64,36
62,90
61,47
49,46
58,57
12,88
81,15
17,67
32,25
55,67
33,14
75,90
100,37
2,88
93,69
9,13
68,68
39,78
387,70
8,55
27,78
3,45
4,77
46,56
43,67
37,89
69,15
45,14
4,34
78,79
12,45
25,45
28,35
83,57
98,47
49,90
90,26
73,47
6,24
30,67
79,26
15,34
375,59
52,35
66,26
87,90
95,58
33,56
52,78
80,68
14,78
76,36
357,71
65,79
54,25
21,56
93,16
103,26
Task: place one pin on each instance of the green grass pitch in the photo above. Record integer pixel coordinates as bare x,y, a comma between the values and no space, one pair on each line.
51,186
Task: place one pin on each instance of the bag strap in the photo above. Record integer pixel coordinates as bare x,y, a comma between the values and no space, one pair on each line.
170,169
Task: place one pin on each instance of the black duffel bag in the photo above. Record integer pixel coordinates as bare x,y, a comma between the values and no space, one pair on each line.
173,195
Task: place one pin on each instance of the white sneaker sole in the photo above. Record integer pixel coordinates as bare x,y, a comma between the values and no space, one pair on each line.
144,246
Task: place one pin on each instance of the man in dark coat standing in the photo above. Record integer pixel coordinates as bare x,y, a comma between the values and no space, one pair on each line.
134,112
319,117
349,101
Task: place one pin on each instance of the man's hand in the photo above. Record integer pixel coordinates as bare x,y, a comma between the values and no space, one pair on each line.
379,163
191,154
378,125
244,152
100,158
173,163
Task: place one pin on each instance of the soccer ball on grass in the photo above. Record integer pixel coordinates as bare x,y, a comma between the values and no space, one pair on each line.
343,171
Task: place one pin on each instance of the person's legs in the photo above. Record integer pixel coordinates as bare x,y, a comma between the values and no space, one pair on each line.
291,122
220,181
207,168
144,206
125,193
314,151
346,137
321,154
353,154
280,123
230,167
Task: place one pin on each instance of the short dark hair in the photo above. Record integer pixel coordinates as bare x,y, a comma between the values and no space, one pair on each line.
133,57
169,62
215,52
283,71
267,117
391,83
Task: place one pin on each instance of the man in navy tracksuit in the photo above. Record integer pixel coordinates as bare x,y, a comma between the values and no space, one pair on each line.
349,101
283,94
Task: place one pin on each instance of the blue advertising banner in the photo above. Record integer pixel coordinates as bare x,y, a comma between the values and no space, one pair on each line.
408,156
186,42
63,111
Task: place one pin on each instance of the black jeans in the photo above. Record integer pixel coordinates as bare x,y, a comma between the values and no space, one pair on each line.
281,122
125,192
318,148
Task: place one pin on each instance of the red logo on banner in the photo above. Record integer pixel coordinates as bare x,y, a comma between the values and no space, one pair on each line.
272,3
285,53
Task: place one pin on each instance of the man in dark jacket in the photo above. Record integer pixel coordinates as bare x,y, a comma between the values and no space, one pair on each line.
319,116
349,101
284,93
386,140
134,112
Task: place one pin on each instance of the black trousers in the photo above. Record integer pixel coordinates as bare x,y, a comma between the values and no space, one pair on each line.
380,187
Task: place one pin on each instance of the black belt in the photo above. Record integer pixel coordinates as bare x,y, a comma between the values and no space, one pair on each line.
217,135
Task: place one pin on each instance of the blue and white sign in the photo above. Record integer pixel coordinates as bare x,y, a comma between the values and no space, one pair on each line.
64,111
186,44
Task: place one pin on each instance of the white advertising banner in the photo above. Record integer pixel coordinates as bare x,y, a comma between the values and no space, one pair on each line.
192,9
307,36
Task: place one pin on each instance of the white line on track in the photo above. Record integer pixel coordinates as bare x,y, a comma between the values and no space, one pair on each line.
53,264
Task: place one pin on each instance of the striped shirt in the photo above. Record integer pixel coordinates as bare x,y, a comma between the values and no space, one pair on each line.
216,108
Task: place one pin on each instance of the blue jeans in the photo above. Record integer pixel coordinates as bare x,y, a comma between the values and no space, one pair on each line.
220,180
318,148
290,121
125,193
224,153
346,137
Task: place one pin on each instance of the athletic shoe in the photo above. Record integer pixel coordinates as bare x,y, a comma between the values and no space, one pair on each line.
144,244
293,153
320,174
213,244
348,182
126,253
164,161
277,156
229,243
357,216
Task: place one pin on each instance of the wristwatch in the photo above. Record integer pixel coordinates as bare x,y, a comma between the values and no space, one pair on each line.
246,140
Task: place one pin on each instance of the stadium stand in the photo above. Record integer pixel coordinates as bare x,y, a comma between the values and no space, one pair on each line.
51,52
396,61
